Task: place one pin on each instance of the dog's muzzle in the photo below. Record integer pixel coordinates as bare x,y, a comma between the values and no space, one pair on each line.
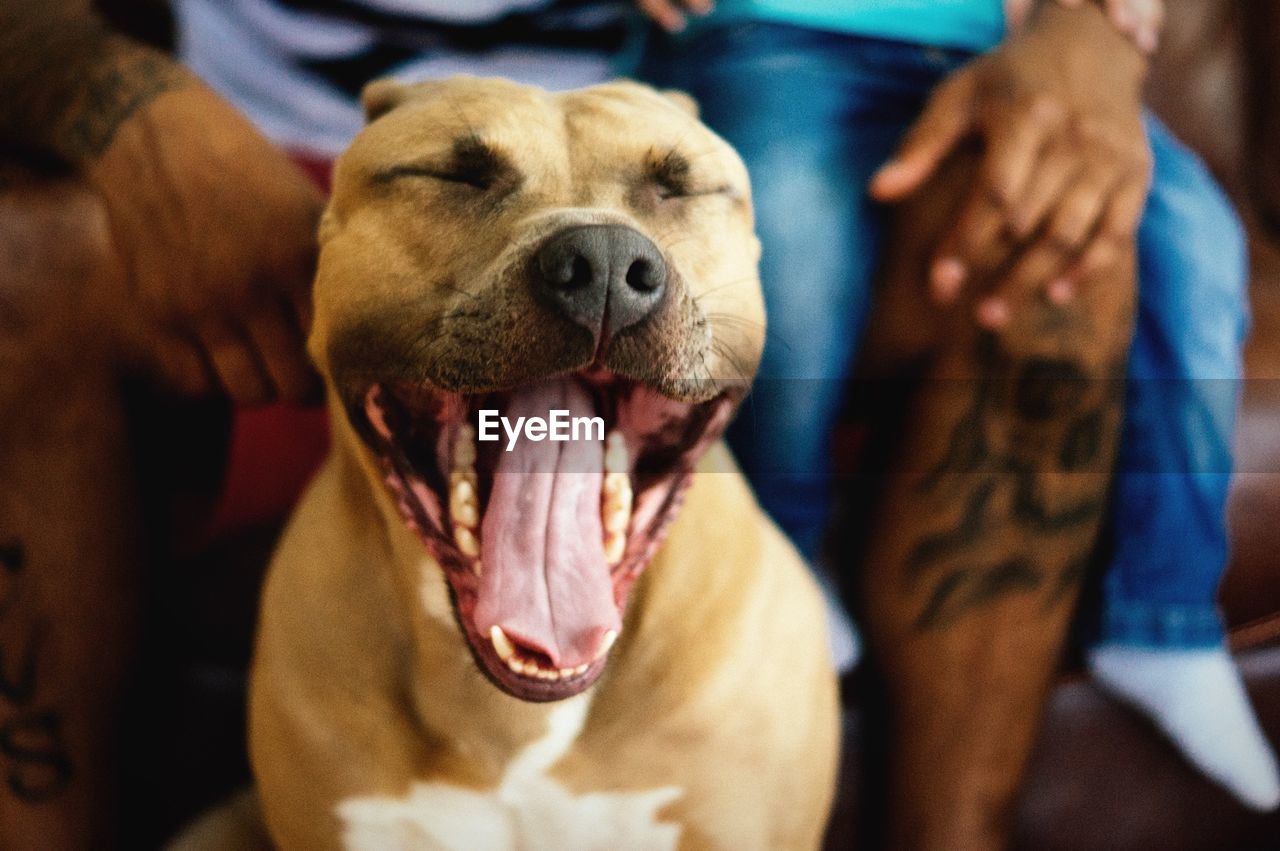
603,278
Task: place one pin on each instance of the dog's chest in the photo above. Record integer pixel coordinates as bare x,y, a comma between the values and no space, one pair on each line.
527,810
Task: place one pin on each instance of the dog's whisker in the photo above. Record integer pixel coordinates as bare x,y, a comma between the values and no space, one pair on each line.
737,322
717,287
733,359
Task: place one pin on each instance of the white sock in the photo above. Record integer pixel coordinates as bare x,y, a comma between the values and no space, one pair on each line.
846,644
1198,699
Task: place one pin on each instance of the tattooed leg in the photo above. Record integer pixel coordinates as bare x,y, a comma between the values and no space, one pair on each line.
989,518
66,550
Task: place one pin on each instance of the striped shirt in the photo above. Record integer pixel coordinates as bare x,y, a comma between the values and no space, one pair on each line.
296,67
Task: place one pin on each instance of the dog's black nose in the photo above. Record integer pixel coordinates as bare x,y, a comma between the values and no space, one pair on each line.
603,277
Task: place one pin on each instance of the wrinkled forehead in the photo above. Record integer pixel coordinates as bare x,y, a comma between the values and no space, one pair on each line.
600,131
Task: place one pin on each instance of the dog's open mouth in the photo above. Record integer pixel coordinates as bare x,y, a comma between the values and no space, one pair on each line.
541,532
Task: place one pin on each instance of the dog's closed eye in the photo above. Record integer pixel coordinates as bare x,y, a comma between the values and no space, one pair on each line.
673,194
473,163
674,179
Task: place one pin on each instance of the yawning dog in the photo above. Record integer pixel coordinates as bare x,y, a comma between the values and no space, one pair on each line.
549,640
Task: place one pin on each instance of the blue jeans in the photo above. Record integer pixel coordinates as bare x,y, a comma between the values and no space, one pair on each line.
814,114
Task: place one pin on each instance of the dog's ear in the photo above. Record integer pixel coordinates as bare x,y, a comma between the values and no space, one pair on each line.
381,96
683,100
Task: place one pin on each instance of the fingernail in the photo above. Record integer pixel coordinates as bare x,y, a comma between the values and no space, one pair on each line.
993,313
1061,291
948,276
1148,41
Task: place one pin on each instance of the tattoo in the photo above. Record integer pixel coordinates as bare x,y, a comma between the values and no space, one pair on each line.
1047,388
39,767
1007,484
18,687
1031,511
12,562
1069,578
962,590
973,522
968,449
70,82
36,760
1082,445
112,96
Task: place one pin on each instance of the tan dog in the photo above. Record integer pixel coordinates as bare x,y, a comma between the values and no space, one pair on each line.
437,665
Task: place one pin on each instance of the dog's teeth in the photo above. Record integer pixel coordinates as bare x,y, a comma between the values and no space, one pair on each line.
580,670
477,569
516,666
615,513
502,644
607,644
464,447
567,672
457,476
466,541
615,453
616,519
464,508
615,544
617,486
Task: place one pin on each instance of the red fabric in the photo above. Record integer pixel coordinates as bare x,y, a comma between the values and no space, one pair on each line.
274,450
319,169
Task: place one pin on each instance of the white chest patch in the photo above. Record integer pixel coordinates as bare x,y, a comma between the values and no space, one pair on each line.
527,810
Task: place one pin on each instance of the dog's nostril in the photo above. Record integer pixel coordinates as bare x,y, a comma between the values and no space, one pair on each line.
565,269
643,276
581,273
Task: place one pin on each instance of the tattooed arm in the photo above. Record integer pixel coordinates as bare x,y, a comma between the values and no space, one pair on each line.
213,225
161,231
995,504
70,81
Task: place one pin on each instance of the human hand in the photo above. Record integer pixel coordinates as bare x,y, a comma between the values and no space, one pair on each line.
672,15
215,230
1140,20
1065,164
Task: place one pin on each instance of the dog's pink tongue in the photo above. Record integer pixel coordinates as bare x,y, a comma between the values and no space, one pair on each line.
544,577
